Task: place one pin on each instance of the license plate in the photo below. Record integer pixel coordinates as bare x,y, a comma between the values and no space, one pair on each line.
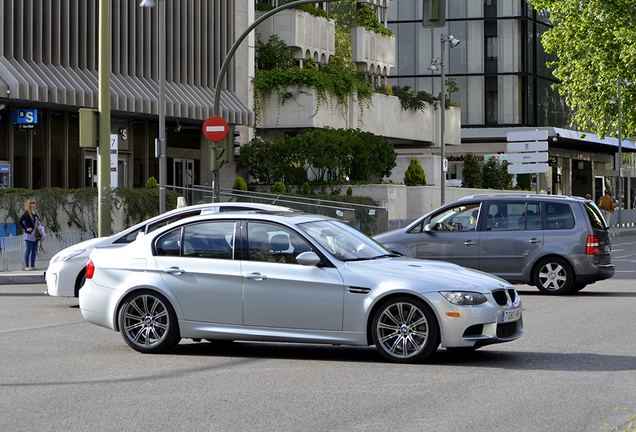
510,315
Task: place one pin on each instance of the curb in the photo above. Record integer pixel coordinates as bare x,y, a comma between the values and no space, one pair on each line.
21,279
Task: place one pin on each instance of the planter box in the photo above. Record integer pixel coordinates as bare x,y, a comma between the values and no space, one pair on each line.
384,117
309,35
372,52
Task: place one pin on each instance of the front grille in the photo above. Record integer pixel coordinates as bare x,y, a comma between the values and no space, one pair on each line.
506,330
513,295
500,297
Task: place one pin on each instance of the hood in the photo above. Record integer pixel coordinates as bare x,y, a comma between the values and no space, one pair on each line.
424,275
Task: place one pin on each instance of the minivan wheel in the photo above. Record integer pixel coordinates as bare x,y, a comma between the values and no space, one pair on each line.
553,276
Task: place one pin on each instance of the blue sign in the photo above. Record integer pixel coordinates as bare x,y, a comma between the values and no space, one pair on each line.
25,116
4,168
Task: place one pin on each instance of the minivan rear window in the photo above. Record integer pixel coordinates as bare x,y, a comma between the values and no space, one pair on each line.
595,217
559,216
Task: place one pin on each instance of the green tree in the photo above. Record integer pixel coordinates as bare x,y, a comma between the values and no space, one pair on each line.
595,43
239,184
414,175
491,174
471,172
524,181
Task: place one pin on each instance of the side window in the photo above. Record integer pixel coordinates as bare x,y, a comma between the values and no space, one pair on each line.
456,219
209,240
559,216
506,215
531,218
169,244
274,243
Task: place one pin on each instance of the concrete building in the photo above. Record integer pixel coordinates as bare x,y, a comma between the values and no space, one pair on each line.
48,68
503,85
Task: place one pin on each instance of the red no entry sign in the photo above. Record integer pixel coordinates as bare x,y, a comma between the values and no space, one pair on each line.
215,128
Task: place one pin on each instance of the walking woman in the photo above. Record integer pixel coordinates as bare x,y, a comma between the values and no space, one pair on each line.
29,221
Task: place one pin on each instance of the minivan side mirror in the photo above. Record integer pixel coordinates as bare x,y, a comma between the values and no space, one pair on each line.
428,230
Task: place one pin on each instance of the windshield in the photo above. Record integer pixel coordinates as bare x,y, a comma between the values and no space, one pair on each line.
344,242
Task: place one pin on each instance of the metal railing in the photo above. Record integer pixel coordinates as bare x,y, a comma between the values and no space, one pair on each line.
13,248
368,219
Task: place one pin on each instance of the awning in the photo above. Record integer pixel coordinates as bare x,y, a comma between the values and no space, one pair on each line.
46,83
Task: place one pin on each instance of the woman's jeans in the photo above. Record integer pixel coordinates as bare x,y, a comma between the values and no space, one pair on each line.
31,250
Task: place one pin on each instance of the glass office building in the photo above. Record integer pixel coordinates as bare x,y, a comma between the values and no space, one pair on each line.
499,66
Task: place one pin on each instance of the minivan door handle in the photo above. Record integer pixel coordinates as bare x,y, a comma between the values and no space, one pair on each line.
534,241
470,243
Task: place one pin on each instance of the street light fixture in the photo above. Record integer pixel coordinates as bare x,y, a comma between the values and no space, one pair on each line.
620,150
161,58
438,64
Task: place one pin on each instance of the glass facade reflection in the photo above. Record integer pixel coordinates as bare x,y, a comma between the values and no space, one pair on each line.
500,65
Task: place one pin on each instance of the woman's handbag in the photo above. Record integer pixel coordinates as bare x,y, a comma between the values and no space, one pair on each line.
38,233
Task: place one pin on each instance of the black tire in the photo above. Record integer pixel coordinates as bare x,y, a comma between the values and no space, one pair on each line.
554,276
148,323
405,330
79,283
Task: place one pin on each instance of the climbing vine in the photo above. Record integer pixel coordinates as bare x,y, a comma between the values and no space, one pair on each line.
80,206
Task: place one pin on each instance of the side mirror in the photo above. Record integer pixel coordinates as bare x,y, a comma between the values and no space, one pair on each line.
308,259
428,230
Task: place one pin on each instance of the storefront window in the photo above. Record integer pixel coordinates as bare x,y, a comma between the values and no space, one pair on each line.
57,149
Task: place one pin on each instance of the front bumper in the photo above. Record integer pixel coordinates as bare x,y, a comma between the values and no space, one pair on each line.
61,277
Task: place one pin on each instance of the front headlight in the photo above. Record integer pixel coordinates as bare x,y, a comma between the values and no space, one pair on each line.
65,256
463,298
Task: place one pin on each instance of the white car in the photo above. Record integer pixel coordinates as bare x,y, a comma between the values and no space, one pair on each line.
66,272
291,277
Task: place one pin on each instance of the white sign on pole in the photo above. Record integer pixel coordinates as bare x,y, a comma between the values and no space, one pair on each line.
536,135
114,145
527,157
520,147
528,168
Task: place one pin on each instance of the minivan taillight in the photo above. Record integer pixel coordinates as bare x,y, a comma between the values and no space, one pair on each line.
90,270
592,246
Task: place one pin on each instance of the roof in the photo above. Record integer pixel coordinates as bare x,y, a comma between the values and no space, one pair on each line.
27,80
557,137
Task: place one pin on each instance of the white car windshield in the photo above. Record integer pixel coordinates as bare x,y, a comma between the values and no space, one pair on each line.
344,242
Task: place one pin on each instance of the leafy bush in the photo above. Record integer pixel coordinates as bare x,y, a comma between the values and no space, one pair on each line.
524,181
279,187
332,155
306,188
414,175
274,54
350,191
368,19
239,184
415,100
152,183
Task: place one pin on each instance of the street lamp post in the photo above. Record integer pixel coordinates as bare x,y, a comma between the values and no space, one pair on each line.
161,101
438,63
620,151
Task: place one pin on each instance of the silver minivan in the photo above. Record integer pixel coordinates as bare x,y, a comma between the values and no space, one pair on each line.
560,244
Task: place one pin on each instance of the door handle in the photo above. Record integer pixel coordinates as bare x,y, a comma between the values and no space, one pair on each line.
255,276
534,241
174,270
470,243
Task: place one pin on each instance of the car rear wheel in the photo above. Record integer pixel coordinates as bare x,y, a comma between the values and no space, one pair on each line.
148,323
553,276
79,283
405,330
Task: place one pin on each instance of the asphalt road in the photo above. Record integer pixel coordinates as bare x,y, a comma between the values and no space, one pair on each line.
573,367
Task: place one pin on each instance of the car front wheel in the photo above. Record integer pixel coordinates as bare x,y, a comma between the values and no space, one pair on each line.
148,323
553,276
405,330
